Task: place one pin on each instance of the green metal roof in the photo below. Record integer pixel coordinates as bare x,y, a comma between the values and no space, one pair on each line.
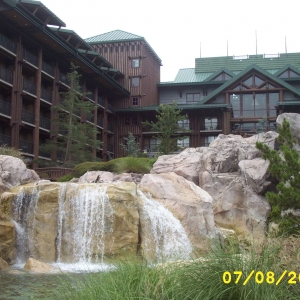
113,36
212,64
289,103
189,75
179,106
118,36
248,70
279,72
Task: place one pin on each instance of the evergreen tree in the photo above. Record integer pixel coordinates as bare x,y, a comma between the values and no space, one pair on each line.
169,131
132,147
285,167
73,140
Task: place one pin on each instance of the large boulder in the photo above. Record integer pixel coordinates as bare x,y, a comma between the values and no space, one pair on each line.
36,266
235,205
14,172
7,241
4,266
190,204
294,120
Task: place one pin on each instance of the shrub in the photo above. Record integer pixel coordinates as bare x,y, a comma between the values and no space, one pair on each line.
6,150
65,178
82,168
129,165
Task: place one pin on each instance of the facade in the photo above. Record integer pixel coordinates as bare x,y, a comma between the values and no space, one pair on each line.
121,74
35,55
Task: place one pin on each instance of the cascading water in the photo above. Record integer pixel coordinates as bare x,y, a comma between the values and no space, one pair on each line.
24,207
165,234
83,220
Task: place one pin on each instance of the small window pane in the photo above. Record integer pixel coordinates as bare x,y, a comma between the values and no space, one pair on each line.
127,121
135,81
135,63
135,101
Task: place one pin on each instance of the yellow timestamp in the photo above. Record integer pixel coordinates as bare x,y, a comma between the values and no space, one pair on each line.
260,277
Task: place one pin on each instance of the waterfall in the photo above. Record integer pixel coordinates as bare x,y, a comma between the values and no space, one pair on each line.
24,207
164,235
83,220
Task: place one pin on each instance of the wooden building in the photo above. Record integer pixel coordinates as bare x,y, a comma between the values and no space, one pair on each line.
121,74
34,61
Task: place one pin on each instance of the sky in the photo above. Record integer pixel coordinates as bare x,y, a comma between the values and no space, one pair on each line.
177,30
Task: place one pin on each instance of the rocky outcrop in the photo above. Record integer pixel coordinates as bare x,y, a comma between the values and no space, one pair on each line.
294,120
36,266
4,266
190,204
14,172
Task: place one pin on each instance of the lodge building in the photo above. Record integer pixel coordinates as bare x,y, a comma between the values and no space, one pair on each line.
121,74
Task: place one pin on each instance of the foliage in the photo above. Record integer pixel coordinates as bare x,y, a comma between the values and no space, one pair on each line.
65,178
167,127
285,167
6,150
129,165
74,141
131,147
118,165
199,279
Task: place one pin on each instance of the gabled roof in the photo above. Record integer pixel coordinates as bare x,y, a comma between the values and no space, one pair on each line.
279,72
220,71
233,63
189,75
119,36
113,36
241,74
42,12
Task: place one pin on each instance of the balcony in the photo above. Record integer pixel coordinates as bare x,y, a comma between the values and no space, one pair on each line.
90,119
101,102
64,79
26,147
100,122
46,95
28,116
4,108
45,123
5,140
110,148
6,75
7,43
110,128
30,57
110,107
90,95
47,68
29,87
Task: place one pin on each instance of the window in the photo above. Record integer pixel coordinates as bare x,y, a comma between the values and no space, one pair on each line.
131,121
185,143
135,63
117,49
211,124
135,101
208,140
135,81
105,50
132,47
193,97
184,124
122,48
153,144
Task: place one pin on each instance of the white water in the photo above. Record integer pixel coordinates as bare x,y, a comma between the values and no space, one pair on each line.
90,214
165,234
24,208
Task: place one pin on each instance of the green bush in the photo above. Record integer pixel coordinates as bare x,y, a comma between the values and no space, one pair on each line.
82,168
65,178
6,150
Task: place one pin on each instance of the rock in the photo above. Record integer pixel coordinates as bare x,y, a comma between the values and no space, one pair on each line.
7,241
37,266
125,177
96,177
14,172
4,266
235,205
191,205
255,172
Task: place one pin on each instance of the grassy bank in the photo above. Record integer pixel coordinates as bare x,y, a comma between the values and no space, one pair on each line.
198,279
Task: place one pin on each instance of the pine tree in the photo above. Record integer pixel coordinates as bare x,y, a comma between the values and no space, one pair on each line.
73,140
285,167
132,147
169,131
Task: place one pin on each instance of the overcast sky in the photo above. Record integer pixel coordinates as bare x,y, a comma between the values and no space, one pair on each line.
175,29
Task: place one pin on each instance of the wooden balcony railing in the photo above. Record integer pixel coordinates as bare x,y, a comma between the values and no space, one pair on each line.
29,87
45,123
26,147
4,108
7,43
47,68
28,116
53,173
46,95
6,75
30,57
